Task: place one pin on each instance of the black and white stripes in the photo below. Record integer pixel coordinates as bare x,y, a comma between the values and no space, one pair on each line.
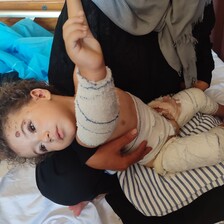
154,195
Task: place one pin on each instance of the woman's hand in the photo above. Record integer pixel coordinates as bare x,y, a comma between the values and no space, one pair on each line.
167,106
201,85
110,157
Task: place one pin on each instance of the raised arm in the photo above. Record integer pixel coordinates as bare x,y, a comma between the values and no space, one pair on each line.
96,104
83,49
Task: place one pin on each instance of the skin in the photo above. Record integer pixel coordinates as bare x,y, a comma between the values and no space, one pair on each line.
26,142
109,152
29,134
79,44
95,72
77,209
73,47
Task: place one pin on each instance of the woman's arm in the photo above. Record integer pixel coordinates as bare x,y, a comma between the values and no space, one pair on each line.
110,157
205,62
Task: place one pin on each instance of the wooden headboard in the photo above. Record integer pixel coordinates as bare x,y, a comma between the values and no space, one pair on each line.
218,31
44,12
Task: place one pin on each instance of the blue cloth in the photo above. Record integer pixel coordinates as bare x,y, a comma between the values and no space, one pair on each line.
25,48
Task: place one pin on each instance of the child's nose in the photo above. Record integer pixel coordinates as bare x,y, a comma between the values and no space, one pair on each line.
46,137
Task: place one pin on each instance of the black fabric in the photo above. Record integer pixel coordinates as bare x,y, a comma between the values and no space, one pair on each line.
201,32
137,63
207,209
64,179
138,66
125,54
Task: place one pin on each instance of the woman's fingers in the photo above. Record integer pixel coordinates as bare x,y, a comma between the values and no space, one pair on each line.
110,157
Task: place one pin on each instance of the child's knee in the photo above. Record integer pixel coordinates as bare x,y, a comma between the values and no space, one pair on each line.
193,95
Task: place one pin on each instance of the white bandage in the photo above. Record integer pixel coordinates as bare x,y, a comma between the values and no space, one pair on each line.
184,105
97,109
194,100
180,154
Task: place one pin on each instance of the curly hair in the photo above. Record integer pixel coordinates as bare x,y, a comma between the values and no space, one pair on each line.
13,96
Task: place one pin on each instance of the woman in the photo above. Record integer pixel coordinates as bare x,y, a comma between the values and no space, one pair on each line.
66,176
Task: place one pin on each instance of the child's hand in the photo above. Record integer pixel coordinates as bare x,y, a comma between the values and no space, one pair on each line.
83,49
167,107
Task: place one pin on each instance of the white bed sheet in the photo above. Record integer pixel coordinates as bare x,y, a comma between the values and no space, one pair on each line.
21,202
216,90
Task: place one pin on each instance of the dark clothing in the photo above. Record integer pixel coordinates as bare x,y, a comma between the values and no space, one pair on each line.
137,63
139,67
65,180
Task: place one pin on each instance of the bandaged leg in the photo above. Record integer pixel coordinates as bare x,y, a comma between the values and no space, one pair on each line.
184,105
194,100
180,154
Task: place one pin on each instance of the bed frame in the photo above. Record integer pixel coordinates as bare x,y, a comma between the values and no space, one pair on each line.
44,12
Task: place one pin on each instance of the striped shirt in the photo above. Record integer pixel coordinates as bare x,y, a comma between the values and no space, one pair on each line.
155,195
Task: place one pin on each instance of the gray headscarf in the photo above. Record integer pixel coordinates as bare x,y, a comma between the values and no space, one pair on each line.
172,19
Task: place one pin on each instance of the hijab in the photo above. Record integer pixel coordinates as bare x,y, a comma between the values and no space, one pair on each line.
172,19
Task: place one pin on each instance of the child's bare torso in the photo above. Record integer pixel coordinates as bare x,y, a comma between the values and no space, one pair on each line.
104,104
150,124
127,116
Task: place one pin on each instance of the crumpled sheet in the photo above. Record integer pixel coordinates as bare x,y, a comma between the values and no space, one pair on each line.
25,48
21,202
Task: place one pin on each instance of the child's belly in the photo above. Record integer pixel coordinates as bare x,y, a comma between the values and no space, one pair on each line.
151,127
127,115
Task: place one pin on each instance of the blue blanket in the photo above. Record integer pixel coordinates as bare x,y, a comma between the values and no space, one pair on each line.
25,48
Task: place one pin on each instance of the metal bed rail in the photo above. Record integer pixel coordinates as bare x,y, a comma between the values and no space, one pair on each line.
29,14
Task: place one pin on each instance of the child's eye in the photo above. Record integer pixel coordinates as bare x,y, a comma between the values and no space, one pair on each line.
31,127
43,148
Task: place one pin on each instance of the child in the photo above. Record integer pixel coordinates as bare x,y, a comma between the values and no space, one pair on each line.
103,112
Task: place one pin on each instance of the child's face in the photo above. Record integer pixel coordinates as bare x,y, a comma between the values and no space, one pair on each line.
44,125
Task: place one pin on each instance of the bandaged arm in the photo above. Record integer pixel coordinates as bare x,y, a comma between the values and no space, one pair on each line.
97,109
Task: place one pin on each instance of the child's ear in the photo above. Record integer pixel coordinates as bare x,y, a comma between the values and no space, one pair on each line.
40,93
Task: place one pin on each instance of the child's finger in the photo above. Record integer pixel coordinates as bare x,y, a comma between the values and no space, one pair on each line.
139,153
73,39
76,27
74,20
74,7
72,25
74,31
